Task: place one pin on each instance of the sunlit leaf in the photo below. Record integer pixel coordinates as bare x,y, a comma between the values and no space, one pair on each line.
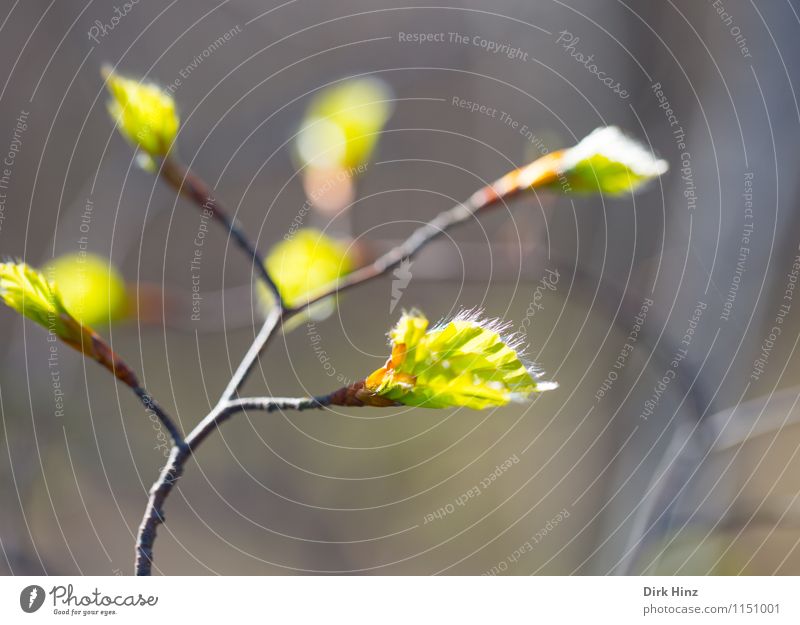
27,291
30,293
467,361
145,114
606,161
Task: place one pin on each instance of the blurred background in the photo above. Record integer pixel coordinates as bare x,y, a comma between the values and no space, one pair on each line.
626,468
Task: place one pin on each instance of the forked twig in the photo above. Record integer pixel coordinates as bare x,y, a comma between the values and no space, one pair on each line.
480,201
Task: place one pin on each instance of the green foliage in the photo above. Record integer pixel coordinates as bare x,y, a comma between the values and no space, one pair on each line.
607,161
145,114
464,362
30,293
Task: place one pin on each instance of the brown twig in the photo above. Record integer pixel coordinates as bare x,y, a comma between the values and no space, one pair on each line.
93,346
151,404
154,513
483,199
190,185
274,319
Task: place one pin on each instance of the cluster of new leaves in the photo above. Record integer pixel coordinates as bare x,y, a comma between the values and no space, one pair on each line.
464,361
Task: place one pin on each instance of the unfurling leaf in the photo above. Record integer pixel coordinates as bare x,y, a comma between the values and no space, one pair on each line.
463,362
606,161
27,291
144,113
30,293
92,290
305,262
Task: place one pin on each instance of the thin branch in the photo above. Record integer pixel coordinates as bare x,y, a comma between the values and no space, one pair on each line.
274,318
154,512
480,201
152,405
190,185
93,346
267,404
186,183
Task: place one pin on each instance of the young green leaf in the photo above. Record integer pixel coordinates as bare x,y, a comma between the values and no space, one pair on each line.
30,293
27,291
145,114
467,362
606,161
